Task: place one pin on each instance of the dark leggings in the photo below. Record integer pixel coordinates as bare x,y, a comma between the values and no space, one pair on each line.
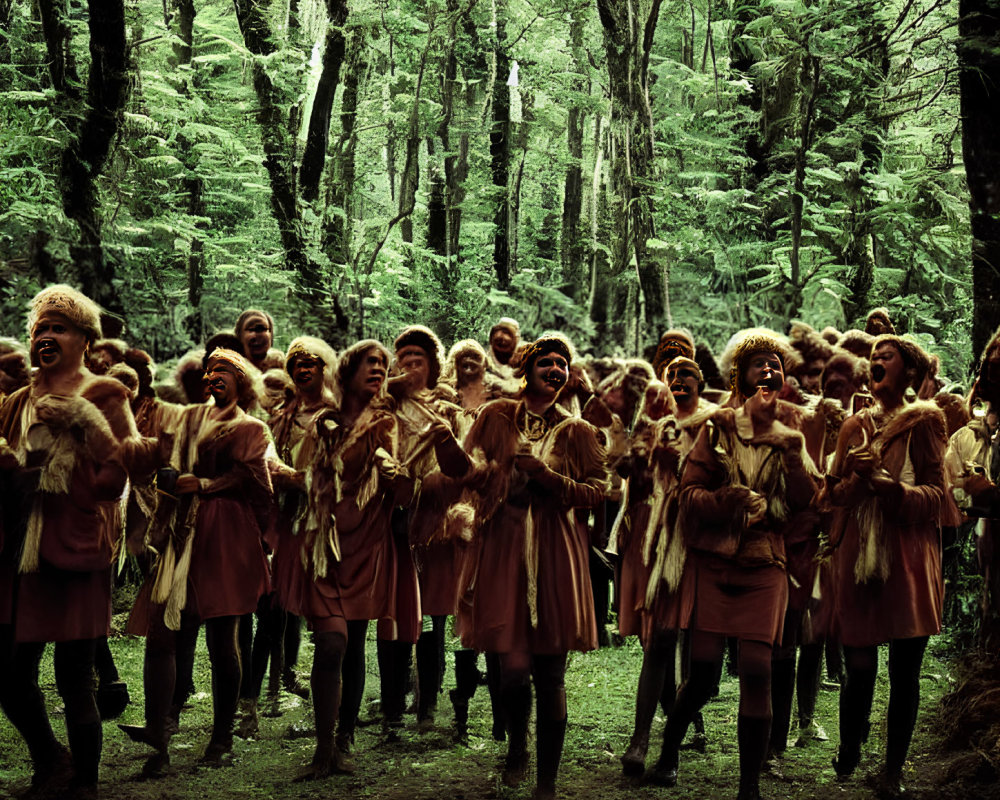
328,660
657,682
548,673
353,678
24,704
905,659
168,662
268,644
430,655
754,725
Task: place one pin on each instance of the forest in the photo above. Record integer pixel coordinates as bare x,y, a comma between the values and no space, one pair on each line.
607,168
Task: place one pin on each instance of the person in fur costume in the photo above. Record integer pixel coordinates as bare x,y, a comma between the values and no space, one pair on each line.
504,341
747,479
75,442
650,548
529,599
886,488
973,461
343,548
213,506
429,559
255,330
310,365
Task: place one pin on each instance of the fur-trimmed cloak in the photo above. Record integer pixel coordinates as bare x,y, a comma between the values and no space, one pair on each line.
529,591
887,563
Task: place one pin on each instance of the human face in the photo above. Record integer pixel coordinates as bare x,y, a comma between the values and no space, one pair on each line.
548,375
503,343
307,375
256,337
413,361
838,384
809,377
370,375
888,371
56,342
989,376
765,374
223,382
683,382
469,366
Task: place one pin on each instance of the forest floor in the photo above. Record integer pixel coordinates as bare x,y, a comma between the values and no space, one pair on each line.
600,689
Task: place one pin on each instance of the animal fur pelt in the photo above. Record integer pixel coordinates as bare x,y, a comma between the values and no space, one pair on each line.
68,430
873,562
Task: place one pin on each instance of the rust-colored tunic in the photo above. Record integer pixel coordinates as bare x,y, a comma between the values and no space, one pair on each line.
68,597
737,584
897,590
362,584
530,591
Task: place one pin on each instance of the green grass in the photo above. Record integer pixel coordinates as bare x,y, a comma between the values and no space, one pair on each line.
600,689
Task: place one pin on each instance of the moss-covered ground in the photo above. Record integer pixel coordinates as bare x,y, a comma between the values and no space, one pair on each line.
600,687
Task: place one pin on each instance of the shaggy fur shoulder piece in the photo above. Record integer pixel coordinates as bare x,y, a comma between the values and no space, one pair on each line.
919,412
495,431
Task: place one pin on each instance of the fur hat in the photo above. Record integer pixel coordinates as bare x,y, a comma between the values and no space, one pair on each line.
673,343
879,322
317,348
508,324
752,342
918,362
350,361
857,342
424,338
79,309
547,343
247,376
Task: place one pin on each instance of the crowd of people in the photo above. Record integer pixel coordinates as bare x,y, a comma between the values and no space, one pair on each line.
785,501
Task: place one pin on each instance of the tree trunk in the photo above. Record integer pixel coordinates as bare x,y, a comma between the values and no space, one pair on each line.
6,9
260,42
628,38
84,158
979,84
59,44
500,149
318,135
571,240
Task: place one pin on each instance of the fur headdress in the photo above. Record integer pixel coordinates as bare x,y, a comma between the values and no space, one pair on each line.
857,342
252,312
75,306
318,349
757,341
246,376
879,322
810,345
510,325
547,343
682,361
426,340
673,343
917,361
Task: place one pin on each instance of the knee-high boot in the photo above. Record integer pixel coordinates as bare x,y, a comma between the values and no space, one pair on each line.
753,734
496,701
428,677
550,735
782,692
517,710
85,742
466,681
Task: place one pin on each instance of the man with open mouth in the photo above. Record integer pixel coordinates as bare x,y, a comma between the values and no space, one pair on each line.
74,441
746,480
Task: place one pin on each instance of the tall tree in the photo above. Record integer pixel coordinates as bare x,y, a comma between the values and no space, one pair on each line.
629,26
571,238
500,147
979,50
318,134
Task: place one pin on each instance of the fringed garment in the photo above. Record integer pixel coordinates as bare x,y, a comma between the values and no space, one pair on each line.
530,589
62,544
211,557
735,582
887,563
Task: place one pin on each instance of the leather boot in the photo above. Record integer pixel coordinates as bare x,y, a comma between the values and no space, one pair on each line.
782,692
428,679
85,741
517,710
549,738
466,681
496,702
753,734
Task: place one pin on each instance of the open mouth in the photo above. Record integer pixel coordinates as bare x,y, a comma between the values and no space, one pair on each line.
555,381
47,351
772,383
679,390
878,373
